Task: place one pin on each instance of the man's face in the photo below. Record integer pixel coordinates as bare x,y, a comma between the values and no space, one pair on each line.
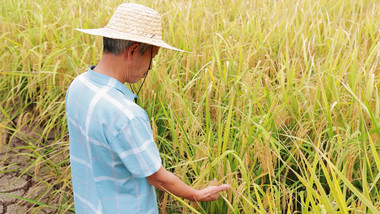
141,63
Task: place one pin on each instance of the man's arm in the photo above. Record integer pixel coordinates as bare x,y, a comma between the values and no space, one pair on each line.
168,182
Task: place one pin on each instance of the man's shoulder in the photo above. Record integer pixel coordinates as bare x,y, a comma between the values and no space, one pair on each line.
105,101
120,114
77,82
117,103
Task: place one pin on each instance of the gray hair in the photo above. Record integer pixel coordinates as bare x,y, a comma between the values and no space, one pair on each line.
117,46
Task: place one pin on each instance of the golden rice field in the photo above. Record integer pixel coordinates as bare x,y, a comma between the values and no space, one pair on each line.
278,98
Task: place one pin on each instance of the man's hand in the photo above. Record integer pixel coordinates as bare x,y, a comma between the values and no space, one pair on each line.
168,182
210,193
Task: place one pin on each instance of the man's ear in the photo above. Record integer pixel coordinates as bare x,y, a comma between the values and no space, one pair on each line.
133,49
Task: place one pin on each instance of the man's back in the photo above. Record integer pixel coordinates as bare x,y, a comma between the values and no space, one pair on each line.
112,150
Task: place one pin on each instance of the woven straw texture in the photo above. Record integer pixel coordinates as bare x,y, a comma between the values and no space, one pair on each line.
133,22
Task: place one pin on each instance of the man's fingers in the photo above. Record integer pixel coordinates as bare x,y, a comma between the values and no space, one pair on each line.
211,193
223,187
220,188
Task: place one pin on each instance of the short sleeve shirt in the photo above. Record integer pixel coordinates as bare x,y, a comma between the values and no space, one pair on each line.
112,150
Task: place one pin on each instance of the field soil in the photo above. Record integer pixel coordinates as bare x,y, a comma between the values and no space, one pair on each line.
17,160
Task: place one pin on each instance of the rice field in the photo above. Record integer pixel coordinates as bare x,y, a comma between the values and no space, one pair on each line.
280,99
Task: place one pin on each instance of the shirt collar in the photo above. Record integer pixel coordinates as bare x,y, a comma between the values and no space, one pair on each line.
109,81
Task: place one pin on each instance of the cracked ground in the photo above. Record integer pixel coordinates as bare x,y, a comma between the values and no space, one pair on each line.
34,176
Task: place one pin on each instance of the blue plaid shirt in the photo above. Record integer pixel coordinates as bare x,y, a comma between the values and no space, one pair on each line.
112,150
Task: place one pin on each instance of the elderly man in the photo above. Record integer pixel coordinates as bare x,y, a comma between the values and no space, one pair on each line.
115,163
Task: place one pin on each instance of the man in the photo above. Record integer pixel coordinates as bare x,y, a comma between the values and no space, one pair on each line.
115,163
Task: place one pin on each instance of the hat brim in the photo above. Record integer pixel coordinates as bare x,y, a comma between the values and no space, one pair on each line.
105,32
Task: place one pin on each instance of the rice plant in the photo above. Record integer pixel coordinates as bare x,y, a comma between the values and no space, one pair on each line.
279,99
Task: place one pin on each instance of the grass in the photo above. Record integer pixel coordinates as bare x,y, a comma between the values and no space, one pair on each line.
280,99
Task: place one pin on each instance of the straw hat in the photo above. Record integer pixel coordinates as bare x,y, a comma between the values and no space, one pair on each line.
133,22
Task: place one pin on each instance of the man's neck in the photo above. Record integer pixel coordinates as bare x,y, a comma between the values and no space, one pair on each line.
112,66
